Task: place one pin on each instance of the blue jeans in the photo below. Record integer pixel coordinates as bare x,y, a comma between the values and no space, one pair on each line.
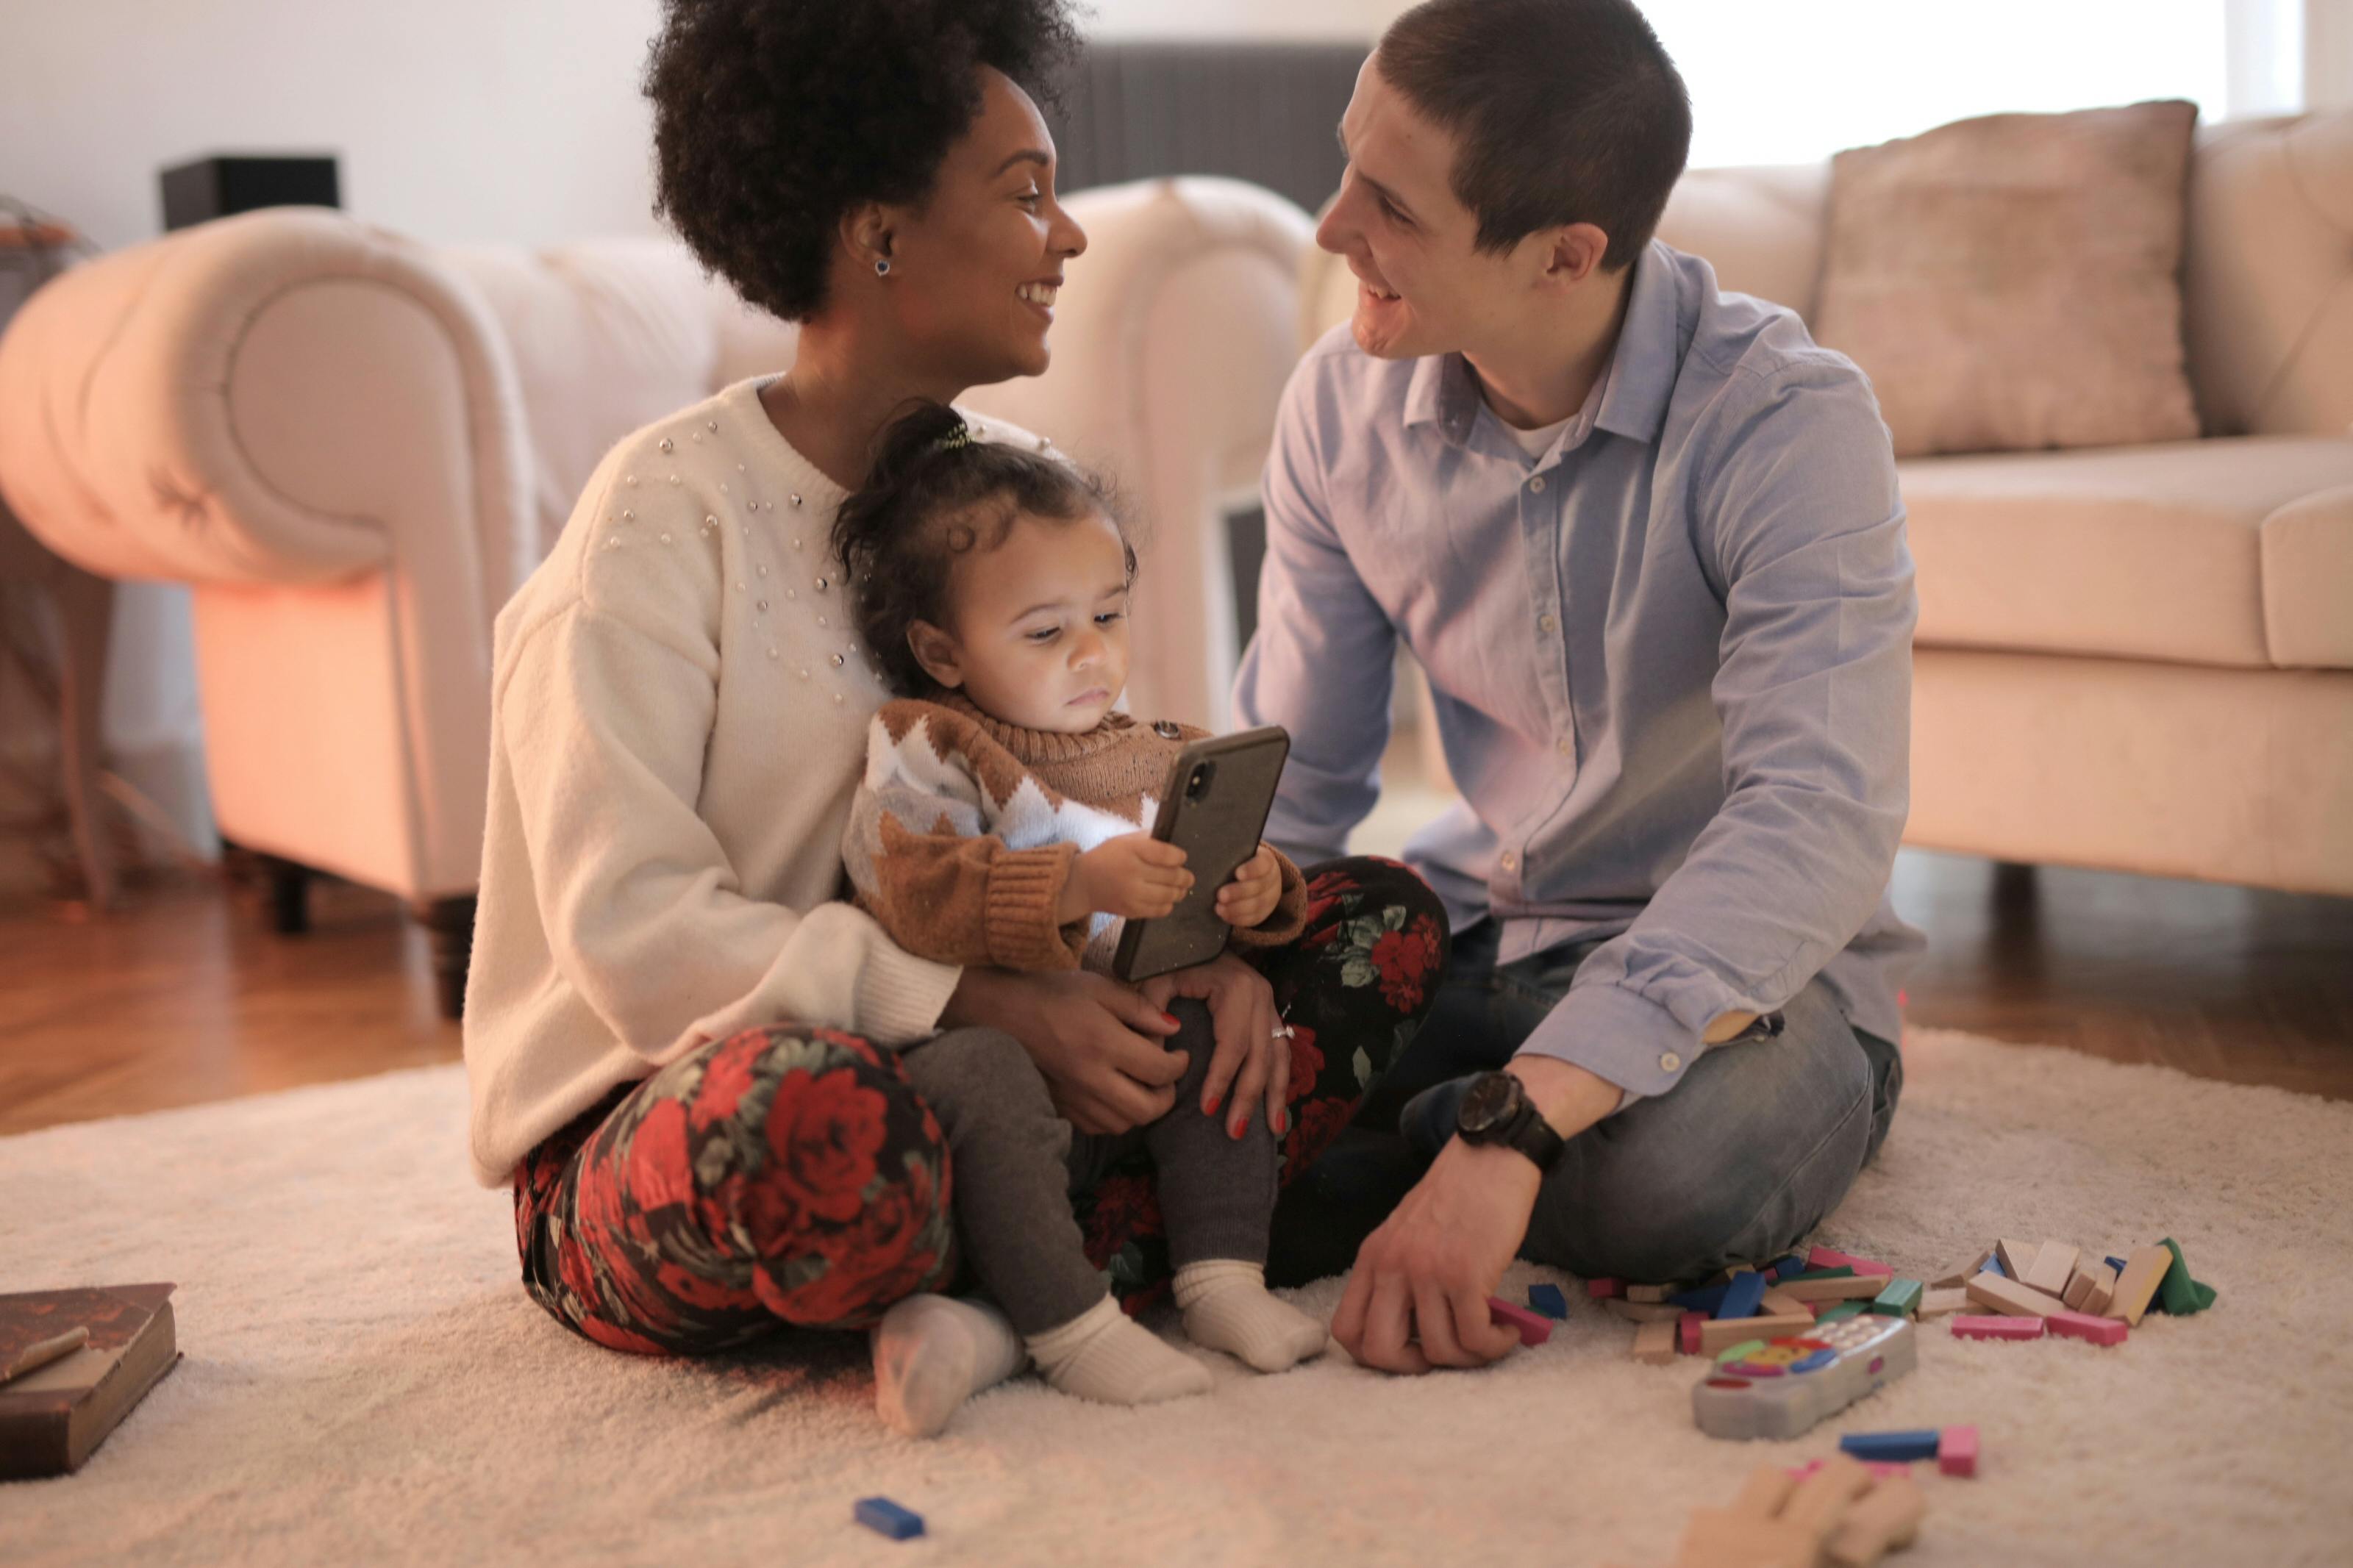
1758,1143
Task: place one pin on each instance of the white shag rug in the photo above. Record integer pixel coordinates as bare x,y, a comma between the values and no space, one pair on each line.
365,1381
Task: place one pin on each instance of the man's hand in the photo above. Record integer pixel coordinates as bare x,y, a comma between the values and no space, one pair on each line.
1134,876
1096,1042
1256,889
1418,1298
1250,1043
1425,1276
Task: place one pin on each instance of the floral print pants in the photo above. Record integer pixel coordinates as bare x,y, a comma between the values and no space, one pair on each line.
792,1175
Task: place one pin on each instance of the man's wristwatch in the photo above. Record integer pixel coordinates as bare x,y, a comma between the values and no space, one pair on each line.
1495,1109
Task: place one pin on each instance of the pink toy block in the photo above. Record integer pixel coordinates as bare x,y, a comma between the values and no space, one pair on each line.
1687,1331
1968,1327
2083,1326
1956,1450
1823,1258
1534,1327
1601,1290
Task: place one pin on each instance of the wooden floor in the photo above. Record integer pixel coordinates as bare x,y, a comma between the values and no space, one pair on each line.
183,997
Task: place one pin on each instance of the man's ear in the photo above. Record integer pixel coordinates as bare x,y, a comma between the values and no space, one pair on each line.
937,652
1573,253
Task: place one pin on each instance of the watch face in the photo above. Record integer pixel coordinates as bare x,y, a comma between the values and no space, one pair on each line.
1488,1104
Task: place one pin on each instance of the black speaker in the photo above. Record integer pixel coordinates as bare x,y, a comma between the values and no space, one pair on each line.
216,186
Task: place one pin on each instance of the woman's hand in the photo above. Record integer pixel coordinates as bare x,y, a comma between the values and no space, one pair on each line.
1256,889
1253,1050
1096,1042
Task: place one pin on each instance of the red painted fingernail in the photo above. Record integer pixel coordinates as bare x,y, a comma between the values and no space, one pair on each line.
1234,1130
1170,1019
1283,1121
1215,1101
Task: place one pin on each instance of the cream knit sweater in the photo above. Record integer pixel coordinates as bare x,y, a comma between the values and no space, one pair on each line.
678,713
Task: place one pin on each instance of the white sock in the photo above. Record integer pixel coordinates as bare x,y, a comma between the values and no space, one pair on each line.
934,1352
1227,1308
1100,1355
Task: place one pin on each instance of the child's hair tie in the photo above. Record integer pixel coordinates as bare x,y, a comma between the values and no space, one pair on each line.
959,437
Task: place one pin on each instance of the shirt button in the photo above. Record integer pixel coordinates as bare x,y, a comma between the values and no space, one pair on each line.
1669,1062
1537,484
1510,860
1546,623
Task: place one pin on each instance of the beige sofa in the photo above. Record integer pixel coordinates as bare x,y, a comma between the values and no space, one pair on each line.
356,446
2133,658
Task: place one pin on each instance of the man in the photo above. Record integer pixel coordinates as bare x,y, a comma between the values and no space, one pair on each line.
1645,540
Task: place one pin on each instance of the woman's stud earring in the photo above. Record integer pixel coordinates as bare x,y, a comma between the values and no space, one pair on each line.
881,267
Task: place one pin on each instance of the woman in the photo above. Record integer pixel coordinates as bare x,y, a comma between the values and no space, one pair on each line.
680,1046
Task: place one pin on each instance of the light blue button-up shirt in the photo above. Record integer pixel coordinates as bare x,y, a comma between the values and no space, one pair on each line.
1670,661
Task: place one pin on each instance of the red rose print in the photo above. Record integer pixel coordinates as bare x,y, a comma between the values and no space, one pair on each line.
872,1263
1126,1207
606,1334
695,1290
727,1079
659,1172
1404,957
824,1132
1306,1064
1314,1126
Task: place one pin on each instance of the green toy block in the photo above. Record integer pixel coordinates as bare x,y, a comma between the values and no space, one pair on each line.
1900,1299
1843,1311
2178,1293
1843,1271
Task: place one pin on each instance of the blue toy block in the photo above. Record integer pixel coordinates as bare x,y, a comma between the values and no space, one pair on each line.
1705,1299
1788,1268
883,1517
1890,1447
1993,1266
1742,1297
1547,1300
2118,1265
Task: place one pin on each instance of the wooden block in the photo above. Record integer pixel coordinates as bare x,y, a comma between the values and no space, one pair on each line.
1649,1293
1780,1303
2083,1326
2144,1272
2102,1292
1937,1303
1601,1290
1642,1312
1965,1327
1823,1258
1837,1312
1687,1331
1718,1333
1960,1278
2079,1288
1883,1519
1900,1299
1741,1297
1654,1343
2053,1266
2017,1256
1852,1288
1534,1329
1996,1294
1956,1450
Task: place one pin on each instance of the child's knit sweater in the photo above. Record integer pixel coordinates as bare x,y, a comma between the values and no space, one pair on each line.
964,832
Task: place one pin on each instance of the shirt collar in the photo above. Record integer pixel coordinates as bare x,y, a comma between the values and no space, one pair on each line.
1636,384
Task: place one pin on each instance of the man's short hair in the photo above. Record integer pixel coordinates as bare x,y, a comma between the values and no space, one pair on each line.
1564,112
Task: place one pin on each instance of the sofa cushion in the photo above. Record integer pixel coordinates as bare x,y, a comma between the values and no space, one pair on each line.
2013,282
2223,552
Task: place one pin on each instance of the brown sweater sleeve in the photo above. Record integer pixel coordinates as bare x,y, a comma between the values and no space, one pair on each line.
1288,920
919,852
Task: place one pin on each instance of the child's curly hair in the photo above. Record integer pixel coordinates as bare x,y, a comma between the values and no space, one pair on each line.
936,491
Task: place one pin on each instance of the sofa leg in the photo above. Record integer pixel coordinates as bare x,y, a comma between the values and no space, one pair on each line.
449,923
290,894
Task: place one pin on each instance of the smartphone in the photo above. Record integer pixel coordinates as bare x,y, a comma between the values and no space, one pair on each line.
1214,808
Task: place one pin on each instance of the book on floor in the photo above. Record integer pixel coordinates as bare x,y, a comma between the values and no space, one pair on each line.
54,1414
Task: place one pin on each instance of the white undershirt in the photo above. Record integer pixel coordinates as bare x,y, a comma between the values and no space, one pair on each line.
1538,442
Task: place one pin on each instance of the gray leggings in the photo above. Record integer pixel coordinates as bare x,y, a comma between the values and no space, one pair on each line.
1014,1165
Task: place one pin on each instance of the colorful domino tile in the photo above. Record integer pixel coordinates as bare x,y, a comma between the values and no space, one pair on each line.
884,1517
1534,1330
1956,1450
2083,1326
1547,1300
1965,1327
1891,1446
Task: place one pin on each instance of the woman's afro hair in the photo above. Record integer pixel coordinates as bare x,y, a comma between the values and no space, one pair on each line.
772,118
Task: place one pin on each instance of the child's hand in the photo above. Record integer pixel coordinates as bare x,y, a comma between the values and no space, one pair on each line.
1134,876
1256,889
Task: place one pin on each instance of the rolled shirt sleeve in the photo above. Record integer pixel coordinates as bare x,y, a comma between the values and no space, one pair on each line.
1800,522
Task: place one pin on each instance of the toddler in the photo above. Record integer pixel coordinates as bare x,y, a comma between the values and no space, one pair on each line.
1002,821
